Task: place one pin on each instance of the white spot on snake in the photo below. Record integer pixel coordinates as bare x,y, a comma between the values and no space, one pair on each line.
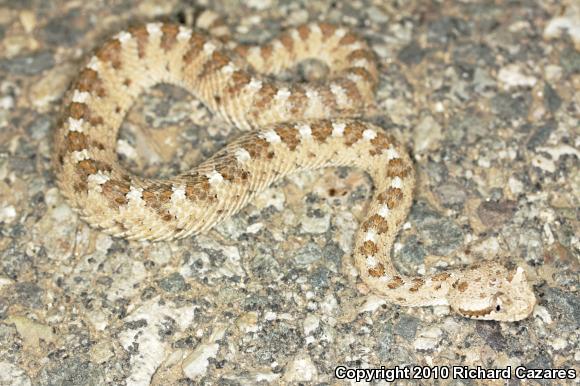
184,33
339,93
135,194
215,178
242,155
369,134
94,64
338,129
278,46
153,29
371,262
228,69
282,94
123,37
340,32
255,84
75,124
271,136
370,235
255,52
312,94
209,48
80,96
315,28
294,34
397,183
354,77
98,178
81,155
392,153
178,193
384,211
305,131
360,63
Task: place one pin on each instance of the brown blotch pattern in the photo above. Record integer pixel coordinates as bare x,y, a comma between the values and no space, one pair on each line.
462,286
369,248
169,37
231,171
352,92
76,141
349,38
115,191
141,35
321,130
362,72
328,98
417,283
353,133
395,282
376,222
297,99
258,148
441,276
196,43
239,80
287,42
199,188
217,61
242,50
304,31
110,52
266,52
380,143
289,136
391,197
397,168
361,53
327,30
377,271
88,81
264,97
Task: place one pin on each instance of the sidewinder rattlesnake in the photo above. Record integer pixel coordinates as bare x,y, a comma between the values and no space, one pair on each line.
291,127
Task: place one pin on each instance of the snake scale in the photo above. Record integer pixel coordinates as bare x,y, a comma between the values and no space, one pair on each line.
289,128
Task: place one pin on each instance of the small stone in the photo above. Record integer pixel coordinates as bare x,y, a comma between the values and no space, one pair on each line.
301,369
174,283
196,364
513,75
493,214
428,339
411,54
406,327
427,134
308,254
311,324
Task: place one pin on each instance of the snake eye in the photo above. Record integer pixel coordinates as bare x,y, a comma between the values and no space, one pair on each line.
497,308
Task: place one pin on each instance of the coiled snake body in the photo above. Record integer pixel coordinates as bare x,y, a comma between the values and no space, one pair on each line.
291,127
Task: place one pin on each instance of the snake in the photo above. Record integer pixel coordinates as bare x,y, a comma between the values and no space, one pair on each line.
286,127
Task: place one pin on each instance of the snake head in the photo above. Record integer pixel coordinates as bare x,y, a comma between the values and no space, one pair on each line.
491,292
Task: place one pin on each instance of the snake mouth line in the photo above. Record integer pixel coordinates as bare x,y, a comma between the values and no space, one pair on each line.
476,313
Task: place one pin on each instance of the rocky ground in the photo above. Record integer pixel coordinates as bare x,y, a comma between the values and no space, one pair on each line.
485,95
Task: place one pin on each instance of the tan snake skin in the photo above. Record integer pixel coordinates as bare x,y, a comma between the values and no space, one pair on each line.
293,127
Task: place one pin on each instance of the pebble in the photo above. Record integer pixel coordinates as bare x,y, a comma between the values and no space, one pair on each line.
513,75
301,369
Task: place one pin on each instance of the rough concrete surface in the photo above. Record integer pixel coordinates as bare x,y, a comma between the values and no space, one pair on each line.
484,94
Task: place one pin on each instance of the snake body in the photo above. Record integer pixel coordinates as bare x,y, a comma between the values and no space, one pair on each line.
289,128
